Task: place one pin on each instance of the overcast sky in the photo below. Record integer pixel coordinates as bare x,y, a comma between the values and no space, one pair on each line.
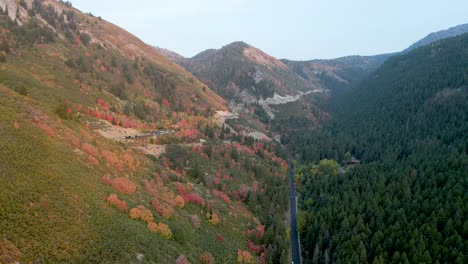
293,29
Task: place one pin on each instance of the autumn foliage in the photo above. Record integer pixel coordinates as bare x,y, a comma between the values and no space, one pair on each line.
207,258
122,185
222,196
9,253
244,257
92,160
182,260
254,248
179,201
89,149
114,200
213,218
140,212
189,197
47,129
163,210
112,160
161,229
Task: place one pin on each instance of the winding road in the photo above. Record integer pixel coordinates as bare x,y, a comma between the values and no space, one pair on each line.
295,246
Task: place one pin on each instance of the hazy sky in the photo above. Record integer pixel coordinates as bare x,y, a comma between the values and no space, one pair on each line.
293,29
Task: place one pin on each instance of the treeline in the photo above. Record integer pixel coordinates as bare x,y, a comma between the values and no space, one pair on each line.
407,202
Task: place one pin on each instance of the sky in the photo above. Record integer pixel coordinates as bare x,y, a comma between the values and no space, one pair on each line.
292,29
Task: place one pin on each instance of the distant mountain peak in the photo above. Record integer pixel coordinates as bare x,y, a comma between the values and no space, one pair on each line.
439,35
172,55
237,44
257,56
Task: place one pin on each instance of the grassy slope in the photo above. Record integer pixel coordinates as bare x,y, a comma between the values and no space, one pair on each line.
53,200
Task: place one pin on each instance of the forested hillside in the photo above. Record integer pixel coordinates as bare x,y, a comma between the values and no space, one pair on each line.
338,74
407,202
242,73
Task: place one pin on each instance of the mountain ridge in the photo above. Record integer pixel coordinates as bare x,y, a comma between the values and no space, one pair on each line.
336,74
439,35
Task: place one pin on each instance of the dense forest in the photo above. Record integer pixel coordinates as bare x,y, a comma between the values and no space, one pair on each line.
407,201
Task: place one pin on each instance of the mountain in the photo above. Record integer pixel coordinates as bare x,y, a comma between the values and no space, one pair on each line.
173,56
337,74
403,199
341,73
112,153
242,73
439,35
333,74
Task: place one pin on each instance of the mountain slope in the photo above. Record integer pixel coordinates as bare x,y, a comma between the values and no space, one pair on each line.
243,73
439,35
337,74
406,202
173,56
111,153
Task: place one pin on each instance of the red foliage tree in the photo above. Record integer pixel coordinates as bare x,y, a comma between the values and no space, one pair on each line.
93,160
260,231
124,185
254,248
161,209
166,103
89,149
222,196
114,200
47,129
182,260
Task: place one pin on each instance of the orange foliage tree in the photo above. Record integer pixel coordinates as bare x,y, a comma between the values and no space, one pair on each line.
213,218
244,257
161,229
9,253
179,201
207,258
124,185
114,200
140,212
164,211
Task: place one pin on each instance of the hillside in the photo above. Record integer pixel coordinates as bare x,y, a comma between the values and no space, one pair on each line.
406,202
242,73
171,55
111,153
337,74
440,35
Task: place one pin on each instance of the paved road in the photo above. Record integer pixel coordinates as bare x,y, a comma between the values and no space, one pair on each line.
296,255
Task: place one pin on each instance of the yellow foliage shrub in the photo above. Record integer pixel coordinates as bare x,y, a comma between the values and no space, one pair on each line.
142,213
